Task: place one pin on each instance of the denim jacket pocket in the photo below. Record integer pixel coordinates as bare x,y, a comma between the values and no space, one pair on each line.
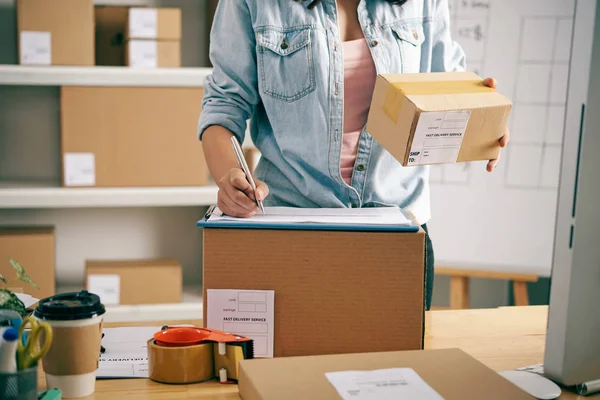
410,38
285,62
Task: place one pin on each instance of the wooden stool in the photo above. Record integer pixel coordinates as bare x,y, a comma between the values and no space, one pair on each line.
459,284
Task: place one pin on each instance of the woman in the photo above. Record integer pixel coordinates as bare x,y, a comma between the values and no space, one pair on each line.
304,73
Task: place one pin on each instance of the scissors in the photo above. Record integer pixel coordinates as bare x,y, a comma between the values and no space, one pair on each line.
30,353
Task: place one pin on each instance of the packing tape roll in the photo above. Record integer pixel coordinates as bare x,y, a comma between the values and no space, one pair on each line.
397,91
189,364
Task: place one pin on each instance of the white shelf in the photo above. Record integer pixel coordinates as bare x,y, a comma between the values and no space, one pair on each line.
56,197
101,76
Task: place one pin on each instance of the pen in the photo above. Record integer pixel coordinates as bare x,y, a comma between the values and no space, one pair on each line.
242,161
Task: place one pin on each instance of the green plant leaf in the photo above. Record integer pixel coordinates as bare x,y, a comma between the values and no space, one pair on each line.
2,278
21,273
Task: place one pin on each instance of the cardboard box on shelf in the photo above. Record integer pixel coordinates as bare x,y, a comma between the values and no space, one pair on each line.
436,118
451,373
154,23
56,32
110,35
131,137
334,292
153,54
34,248
135,282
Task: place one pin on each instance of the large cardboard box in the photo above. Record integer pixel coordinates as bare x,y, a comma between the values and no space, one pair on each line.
110,35
154,23
135,281
34,249
453,374
335,292
437,118
131,136
56,32
153,54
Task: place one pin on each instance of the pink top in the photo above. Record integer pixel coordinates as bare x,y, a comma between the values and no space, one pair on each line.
359,82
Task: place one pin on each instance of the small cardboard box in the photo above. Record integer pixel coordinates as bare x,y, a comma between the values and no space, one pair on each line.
56,32
110,35
453,374
135,282
153,54
437,118
34,248
335,291
131,136
154,23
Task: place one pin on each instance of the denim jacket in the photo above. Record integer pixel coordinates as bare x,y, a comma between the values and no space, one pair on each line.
280,65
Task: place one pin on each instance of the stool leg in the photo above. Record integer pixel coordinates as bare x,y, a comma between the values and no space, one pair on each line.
459,292
520,292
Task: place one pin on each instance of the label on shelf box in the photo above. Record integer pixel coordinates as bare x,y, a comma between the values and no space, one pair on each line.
143,23
107,287
80,169
143,54
35,48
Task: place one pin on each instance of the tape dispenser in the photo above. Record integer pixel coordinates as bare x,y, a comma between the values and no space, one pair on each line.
190,354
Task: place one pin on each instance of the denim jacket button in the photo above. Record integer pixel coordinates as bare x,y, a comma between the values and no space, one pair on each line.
284,46
360,167
374,43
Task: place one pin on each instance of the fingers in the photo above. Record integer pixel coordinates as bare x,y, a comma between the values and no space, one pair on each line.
262,190
236,194
230,207
504,140
492,164
490,82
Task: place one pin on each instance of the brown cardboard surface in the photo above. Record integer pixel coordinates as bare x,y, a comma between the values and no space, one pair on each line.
451,372
168,54
74,350
110,35
142,281
335,292
70,23
399,99
168,24
139,136
34,248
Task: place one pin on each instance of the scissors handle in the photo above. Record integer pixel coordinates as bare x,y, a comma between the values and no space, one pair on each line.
30,353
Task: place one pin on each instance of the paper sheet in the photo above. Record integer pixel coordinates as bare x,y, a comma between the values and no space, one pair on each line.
383,384
107,287
355,216
27,299
248,313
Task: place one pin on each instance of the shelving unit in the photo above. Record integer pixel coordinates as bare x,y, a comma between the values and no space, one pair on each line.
22,197
20,75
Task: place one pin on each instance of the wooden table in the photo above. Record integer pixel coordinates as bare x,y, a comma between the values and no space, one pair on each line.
503,338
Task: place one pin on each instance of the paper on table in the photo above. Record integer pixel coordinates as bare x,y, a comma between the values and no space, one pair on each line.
27,299
355,216
126,353
248,313
383,384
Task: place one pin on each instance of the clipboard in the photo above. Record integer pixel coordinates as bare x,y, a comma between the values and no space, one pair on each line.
243,224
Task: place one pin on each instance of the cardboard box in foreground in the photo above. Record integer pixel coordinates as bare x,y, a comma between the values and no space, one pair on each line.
34,248
131,137
56,32
437,118
135,282
335,292
453,374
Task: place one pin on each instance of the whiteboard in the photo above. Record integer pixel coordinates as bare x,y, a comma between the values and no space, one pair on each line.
505,220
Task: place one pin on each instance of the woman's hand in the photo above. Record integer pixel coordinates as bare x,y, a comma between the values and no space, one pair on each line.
236,197
504,140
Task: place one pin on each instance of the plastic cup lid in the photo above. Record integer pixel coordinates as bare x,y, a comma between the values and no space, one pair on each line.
70,306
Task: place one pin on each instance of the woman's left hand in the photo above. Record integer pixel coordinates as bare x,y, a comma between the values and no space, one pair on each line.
504,140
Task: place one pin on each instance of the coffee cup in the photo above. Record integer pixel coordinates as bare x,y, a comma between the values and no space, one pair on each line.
72,362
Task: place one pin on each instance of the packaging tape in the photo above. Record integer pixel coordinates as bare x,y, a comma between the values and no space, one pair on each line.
398,90
189,364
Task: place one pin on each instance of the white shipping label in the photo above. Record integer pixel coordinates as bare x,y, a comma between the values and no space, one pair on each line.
383,384
248,313
438,137
143,23
35,48
80,169
107,287
143,54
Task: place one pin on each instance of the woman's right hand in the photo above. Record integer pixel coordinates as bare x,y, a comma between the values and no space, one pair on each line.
236,197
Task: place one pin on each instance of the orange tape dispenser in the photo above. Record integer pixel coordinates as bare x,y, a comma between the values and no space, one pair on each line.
190,354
